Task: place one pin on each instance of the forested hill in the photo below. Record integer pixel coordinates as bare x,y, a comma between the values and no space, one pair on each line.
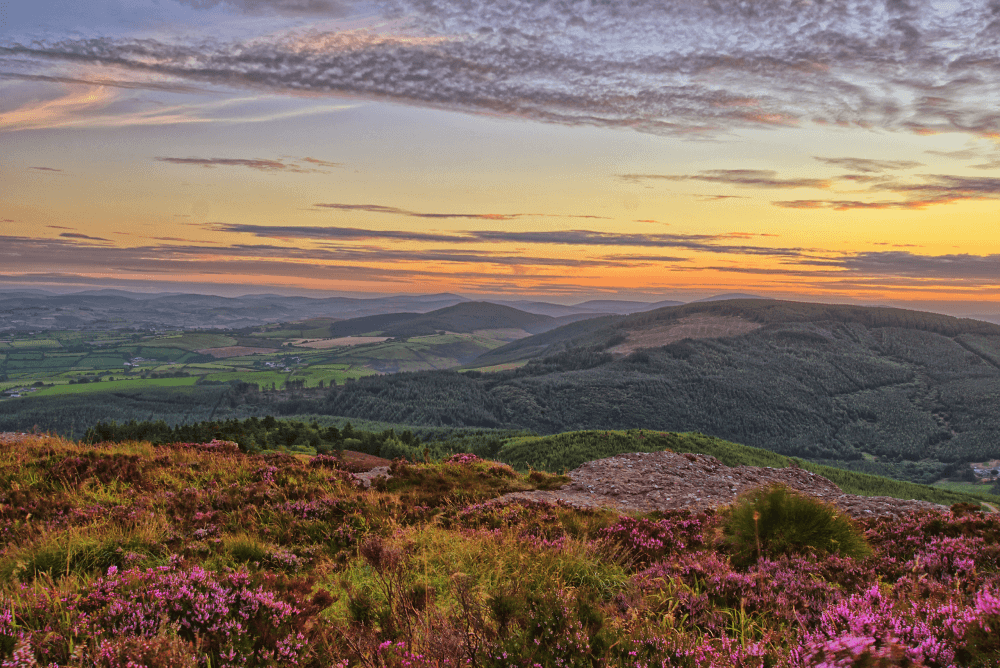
773,311
876,387
720,319
465,317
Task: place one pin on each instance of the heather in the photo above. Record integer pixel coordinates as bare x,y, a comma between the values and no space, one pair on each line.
198,554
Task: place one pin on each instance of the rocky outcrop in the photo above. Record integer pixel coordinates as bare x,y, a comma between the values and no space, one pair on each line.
671,481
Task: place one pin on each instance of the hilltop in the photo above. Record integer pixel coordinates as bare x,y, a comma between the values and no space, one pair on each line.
464,318
713,318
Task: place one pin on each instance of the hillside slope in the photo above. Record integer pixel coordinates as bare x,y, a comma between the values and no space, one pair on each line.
726,318
883,390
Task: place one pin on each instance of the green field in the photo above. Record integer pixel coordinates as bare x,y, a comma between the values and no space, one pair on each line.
333,373
115,385
262,378
61,356
36,343
966,487
192,341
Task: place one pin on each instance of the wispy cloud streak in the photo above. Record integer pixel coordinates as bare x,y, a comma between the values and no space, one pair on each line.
259,164
711,243
392,210
746,178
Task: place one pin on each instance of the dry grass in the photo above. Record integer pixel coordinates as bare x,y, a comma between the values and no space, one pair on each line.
321,344
235,351
691,327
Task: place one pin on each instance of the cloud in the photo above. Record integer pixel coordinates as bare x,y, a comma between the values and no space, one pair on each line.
934,189
868,165
30,255
77,235
322,163
287,7
877,270
260,164
113,83
904,263
328,233
46,169
695,242
745,178
103,106
379,208
685,67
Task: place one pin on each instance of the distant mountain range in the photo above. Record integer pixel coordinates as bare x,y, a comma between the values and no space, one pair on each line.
32,310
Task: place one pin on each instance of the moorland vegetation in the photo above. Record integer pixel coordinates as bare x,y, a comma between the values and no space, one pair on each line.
198,554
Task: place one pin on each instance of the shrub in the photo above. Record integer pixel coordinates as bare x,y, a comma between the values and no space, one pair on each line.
394,449
774,521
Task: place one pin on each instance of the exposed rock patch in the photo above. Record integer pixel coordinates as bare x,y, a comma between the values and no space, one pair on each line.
671,481
365,478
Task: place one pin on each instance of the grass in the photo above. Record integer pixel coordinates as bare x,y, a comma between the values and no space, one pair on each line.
35,343
191,341
338,373
115,385
869,485
969,488
34,360
262,378
777,521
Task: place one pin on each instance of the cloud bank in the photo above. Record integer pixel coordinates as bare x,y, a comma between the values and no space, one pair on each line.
259,164
287,7
710,243
663,66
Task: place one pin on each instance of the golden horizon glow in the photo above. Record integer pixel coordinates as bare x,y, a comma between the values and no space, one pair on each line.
159,165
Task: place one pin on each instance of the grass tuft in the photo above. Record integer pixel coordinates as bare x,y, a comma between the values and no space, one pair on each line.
777,521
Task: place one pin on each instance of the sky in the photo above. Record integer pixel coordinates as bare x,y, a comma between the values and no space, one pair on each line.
838,150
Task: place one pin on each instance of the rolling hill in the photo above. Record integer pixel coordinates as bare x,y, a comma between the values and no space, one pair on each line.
465,317
881,390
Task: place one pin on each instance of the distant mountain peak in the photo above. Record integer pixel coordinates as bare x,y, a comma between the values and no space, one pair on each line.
729,295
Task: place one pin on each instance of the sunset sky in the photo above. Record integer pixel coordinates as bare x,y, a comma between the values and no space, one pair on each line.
562,149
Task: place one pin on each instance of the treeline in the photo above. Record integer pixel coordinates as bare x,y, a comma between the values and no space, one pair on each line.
71,415
256,434
570,450
269,433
